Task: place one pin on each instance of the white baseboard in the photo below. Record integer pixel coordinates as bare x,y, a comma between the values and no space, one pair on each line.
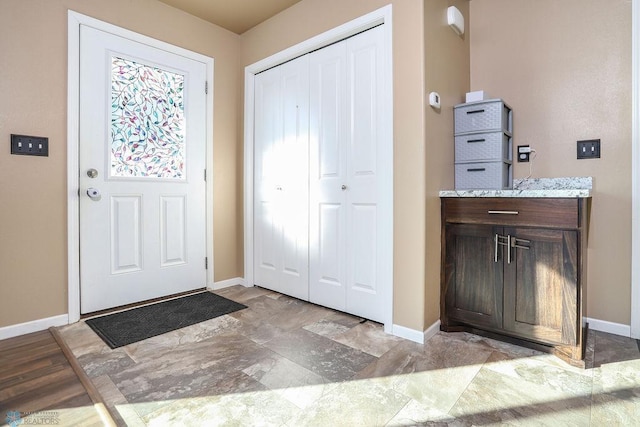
432,330
229,282
609,327
416,336
409,334
422,337
33,326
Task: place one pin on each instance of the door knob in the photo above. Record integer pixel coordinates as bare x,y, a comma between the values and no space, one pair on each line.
92,173
94,194
344,187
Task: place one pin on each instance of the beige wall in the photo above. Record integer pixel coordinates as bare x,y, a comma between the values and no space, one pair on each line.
33,193
565,68
417,25
446,72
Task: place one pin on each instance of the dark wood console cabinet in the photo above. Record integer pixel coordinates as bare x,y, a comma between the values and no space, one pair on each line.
514,269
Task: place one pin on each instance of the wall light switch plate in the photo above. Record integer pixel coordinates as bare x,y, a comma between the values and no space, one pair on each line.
589,149
29,145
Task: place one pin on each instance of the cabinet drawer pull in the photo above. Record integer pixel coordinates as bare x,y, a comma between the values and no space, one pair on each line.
470,141
475,111
503,212
476,170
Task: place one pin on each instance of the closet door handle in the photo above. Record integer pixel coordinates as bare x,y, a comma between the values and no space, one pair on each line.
344,187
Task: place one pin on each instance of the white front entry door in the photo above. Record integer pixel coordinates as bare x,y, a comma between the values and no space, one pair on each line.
142,172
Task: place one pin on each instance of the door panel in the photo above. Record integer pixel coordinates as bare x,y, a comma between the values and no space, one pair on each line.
365,109
143,130
363,242
281,179
541,285
328,268
345,142
126,234
474,274
328,138
173,230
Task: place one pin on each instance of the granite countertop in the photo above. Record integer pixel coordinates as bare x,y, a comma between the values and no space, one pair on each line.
578,187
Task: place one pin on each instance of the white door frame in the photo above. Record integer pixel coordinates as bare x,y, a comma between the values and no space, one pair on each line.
363,23
635,172
73,145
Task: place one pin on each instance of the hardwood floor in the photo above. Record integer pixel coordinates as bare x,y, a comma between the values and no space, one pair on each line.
38,384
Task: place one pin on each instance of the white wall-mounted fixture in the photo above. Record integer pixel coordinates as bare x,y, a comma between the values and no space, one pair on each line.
455,20
434,100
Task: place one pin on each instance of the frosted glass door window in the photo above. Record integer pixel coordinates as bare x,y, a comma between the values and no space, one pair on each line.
147,121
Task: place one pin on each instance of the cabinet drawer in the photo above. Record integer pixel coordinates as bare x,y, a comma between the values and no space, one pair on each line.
539,212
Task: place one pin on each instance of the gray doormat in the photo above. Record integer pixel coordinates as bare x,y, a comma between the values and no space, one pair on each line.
137,324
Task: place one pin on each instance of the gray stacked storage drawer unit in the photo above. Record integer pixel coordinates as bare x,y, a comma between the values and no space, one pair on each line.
483,148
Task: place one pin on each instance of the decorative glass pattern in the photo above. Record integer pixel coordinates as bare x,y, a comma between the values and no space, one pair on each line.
147,121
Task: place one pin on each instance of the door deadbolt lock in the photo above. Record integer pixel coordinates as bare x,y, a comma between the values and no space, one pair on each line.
94,194
92,173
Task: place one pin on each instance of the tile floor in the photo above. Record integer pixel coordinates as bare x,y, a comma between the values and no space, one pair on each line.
285,362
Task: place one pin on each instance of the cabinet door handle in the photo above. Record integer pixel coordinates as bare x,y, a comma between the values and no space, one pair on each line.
501,240
471,141
475,111
503,212
516,243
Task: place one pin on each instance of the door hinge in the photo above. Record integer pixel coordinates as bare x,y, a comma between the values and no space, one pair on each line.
205,174
206,88
206,263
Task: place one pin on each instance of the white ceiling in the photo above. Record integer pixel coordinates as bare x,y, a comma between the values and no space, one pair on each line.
234,15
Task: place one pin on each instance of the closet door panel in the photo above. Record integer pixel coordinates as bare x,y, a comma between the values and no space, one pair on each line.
327,166
294,167
329,263
267,231
365,65
281,179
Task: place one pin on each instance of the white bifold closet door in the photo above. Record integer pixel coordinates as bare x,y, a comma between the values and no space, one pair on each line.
281,171
317,154
345,152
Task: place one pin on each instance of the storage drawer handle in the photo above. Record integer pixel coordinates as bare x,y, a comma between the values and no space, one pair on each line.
475,140
503,212
475,111
476,170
